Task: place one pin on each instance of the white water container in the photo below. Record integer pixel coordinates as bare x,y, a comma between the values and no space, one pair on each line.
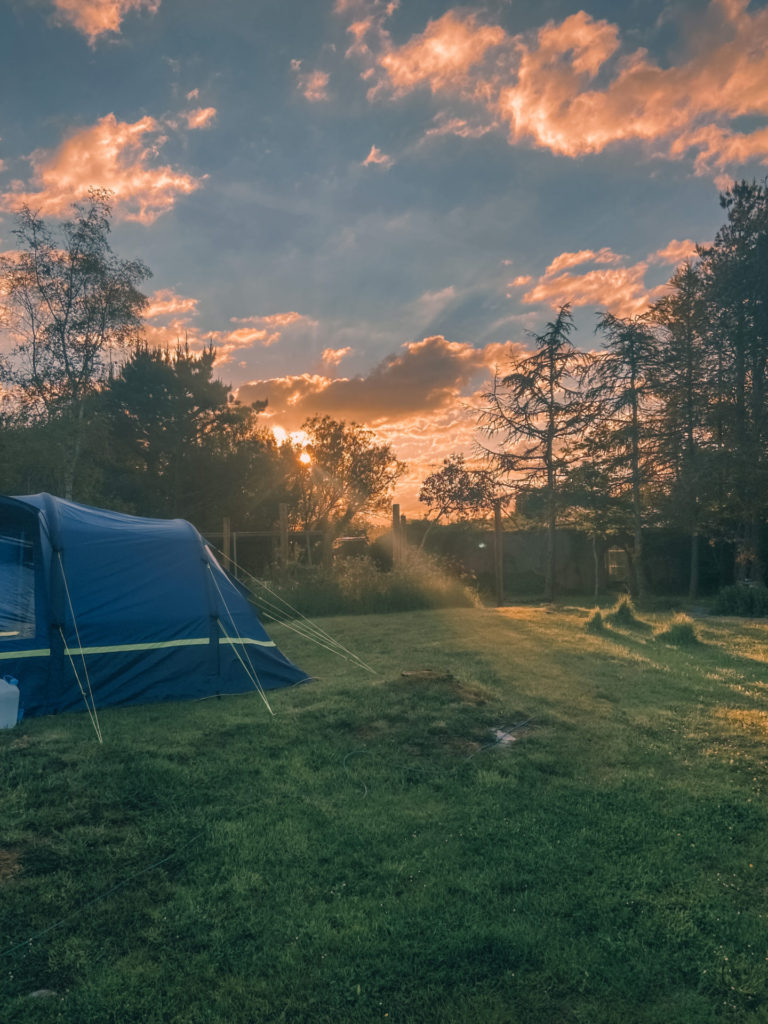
9,703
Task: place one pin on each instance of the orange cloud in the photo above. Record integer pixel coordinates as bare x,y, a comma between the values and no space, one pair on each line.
422,401
574,259
444,124
675,253
273,319
333,356
179,313
376,157
167,302
442,55
200,118
96,17
620,288
544,86
112,154
313,85
425,376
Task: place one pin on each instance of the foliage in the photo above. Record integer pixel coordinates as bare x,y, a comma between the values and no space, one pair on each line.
377,850
681,632
595,622
740,599
349,474
532,418
623,614
72,306
457,491
682,375
357,586
619,390
180,445
734,277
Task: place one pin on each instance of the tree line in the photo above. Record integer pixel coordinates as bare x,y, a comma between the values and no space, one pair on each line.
89,410
665,425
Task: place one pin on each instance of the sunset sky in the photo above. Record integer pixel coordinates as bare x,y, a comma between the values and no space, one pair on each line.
367,205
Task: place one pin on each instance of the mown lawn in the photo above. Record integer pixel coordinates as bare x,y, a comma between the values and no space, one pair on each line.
372,852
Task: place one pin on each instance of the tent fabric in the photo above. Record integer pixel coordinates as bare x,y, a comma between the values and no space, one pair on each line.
143,603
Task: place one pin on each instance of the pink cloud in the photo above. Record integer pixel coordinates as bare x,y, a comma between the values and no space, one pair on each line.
575,259
441,56
313,85
421,400
444,124
674,252
117,155
94,18
607,282
179,314
333,356
377,158
202,117
167,302
274,319
543,87
423,376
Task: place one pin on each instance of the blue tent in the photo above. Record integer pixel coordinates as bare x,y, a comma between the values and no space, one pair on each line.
98,608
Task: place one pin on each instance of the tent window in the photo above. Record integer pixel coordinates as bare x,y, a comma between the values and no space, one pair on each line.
17,586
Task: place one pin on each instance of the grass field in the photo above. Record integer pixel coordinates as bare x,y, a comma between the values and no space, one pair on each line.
543,824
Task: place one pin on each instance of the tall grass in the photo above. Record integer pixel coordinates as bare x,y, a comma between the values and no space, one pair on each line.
357,586
681,632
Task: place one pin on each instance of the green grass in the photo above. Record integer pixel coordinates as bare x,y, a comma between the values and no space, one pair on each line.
403,848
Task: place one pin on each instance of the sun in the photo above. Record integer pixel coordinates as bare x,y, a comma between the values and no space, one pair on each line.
306,458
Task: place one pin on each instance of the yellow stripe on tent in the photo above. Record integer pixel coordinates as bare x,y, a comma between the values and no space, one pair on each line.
43,653
127,648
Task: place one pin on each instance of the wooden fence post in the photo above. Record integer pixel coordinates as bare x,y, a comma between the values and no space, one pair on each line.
395,536
226,543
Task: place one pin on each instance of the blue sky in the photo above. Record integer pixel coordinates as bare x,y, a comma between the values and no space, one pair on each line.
367,205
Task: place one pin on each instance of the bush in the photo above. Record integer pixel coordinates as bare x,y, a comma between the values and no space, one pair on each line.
681,632
356,586
623,614
741,599
596,623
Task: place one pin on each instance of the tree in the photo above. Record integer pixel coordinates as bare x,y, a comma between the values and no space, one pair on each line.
71,307
534,415
735,276
180,444
681,379
347,474
619,391
457,491
592,502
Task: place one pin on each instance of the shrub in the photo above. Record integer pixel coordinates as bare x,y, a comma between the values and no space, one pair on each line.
596,623
741,599
623,613
356,586
681,632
